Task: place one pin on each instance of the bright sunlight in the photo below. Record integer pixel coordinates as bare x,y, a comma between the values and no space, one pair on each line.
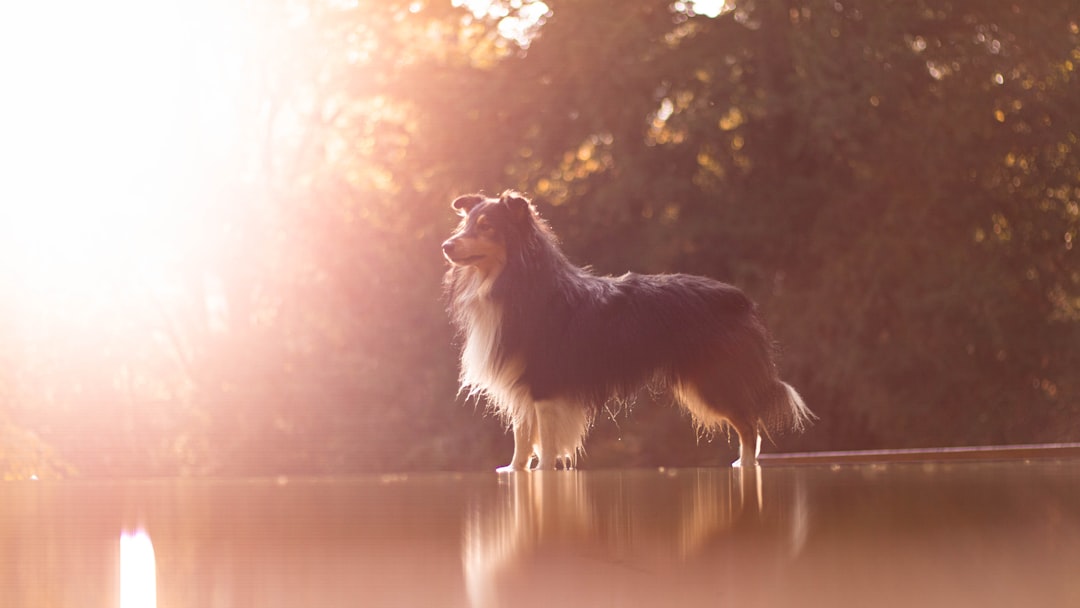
114,113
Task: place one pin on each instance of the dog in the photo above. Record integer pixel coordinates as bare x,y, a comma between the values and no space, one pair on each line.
549,343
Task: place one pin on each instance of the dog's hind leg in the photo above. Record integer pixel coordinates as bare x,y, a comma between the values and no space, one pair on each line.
749,445
705,406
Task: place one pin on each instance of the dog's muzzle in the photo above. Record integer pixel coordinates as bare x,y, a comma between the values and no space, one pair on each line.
452,255
448,249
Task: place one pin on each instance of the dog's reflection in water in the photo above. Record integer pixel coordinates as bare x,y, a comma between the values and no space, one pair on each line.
573,538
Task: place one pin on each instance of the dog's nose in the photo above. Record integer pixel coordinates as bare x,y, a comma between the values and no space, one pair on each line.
448,247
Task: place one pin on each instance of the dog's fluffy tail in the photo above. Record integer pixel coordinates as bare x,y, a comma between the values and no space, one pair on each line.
787,412
801,416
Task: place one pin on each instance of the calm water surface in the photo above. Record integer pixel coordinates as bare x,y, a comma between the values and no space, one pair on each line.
969,534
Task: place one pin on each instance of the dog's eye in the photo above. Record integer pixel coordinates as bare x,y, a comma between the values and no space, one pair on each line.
483,224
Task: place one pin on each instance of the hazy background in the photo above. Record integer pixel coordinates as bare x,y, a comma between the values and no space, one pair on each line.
220,221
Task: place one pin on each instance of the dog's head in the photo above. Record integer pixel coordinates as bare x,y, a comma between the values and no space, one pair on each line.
487,228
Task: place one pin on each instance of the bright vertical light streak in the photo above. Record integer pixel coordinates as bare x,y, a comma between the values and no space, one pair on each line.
138,571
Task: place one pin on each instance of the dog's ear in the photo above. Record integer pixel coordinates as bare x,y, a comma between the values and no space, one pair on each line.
464,204
519,206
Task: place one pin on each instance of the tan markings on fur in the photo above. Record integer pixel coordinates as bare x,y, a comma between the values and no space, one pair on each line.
706,420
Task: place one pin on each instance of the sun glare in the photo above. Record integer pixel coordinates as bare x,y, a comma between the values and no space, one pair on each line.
138,571
114,111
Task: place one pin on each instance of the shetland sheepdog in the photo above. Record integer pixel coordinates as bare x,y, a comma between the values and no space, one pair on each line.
549,344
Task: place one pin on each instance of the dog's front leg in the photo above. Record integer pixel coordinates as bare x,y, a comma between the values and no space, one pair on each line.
524,431
561,426
548,431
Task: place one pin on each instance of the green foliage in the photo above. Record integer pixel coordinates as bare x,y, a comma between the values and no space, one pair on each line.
897,184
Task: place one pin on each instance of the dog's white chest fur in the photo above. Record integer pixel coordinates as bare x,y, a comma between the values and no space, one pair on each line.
479,357
484,369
